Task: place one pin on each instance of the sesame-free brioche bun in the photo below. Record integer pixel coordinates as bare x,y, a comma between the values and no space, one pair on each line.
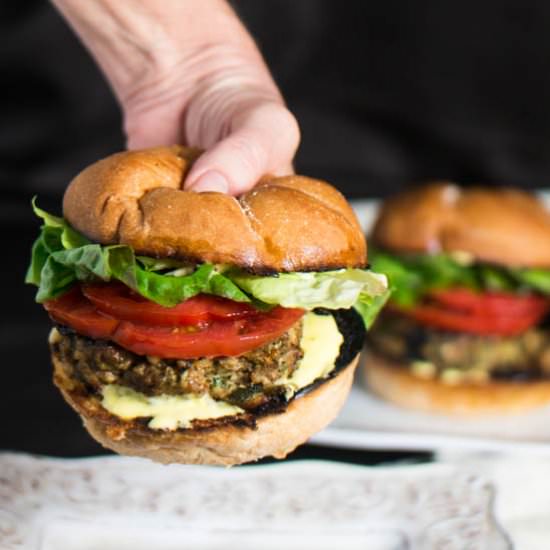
290,223
395,383
497,225
227,441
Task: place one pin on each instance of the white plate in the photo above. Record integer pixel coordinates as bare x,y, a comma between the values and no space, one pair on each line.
120,503
367,422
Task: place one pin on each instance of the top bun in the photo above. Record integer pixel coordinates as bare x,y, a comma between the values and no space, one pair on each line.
289,223
503,226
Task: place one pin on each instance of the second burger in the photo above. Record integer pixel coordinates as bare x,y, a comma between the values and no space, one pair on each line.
465,331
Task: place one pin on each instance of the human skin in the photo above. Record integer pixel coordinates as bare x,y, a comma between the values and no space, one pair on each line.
187,71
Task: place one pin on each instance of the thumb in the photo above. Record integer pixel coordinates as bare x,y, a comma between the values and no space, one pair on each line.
261,140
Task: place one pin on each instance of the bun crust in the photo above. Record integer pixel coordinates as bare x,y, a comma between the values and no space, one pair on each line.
503,226
228,444
396,384
290,223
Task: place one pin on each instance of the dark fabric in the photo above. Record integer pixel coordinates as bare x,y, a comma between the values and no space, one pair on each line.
57,113
386,92
394,91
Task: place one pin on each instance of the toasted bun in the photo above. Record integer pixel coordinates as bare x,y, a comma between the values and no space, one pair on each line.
290,223
395,383
503,226
226,444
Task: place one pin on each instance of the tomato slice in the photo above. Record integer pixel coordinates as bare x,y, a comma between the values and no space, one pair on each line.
461,321
229,336
491,303
121,302
74,310
489,313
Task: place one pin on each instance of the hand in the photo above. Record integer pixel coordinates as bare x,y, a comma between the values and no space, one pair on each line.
188,72
224,102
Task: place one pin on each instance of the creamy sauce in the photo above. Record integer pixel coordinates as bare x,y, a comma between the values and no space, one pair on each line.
167,412
54,337
321,341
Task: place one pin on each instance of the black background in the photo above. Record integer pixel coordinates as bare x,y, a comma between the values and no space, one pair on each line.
387,93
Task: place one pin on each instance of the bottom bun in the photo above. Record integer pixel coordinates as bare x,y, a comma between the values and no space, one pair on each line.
230,442
395,383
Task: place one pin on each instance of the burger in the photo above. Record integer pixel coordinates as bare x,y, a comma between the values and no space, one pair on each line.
200,327
465,330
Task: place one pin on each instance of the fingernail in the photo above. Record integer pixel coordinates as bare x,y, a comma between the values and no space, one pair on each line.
210,181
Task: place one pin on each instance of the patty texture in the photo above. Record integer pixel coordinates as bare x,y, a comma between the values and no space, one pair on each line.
246,380
459,357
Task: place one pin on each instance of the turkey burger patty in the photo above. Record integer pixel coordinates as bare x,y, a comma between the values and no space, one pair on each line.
247,380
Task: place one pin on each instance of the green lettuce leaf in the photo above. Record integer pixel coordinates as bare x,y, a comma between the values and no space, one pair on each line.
160,264
538,279
407,284
496,279
39,257
413,275
69,237
94,262
369,306
329,289
55,280
168,290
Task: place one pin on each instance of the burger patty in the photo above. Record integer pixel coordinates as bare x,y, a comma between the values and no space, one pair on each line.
457,357
247,380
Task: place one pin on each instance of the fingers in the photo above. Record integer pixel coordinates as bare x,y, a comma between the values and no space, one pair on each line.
262,139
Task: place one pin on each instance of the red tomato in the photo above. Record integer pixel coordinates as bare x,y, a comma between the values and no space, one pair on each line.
214,338
461,321
218,338
489,313
121,302
491,303
74,310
